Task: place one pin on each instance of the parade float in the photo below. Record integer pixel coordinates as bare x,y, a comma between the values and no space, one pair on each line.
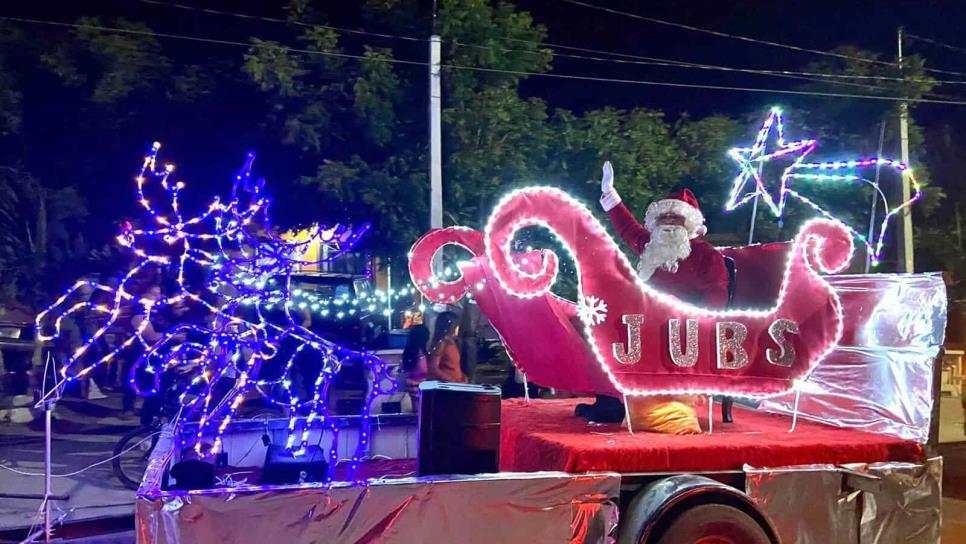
831,440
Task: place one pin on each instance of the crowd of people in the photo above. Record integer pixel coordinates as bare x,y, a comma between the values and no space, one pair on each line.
114,374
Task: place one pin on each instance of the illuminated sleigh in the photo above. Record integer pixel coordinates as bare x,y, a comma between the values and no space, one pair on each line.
623,336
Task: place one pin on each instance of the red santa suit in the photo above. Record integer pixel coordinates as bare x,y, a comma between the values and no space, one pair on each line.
700,278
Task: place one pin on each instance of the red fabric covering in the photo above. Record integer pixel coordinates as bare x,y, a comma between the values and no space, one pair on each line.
545,435
756,282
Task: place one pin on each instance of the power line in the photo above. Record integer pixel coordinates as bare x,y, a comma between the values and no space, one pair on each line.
488,70
635,59
934,42
712,87
818,77
658,61
278,20
207,40
723,34
745,38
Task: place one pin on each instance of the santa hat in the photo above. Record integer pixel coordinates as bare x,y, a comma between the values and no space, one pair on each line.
682,203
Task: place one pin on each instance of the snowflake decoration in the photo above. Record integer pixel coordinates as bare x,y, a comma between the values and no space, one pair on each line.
592,310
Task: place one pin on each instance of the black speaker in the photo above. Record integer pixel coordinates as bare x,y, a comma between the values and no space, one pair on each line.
459,428
282,467
193,474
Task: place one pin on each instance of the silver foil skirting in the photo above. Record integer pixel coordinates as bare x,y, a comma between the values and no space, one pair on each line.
538,507
880,378
882,503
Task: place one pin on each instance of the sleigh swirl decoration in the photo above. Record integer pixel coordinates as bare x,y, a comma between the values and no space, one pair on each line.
644,341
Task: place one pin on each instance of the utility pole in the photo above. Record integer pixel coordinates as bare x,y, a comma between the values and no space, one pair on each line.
435,153
435,132
906,261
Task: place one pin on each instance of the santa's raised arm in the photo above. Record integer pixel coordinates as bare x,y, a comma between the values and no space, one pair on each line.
672,256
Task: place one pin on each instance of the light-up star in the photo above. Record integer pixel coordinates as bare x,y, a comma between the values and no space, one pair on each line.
751,161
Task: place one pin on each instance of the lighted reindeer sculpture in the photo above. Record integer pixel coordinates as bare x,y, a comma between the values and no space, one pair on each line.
251,334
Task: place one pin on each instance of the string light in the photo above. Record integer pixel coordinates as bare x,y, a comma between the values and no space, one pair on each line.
335,307
236,348
752,161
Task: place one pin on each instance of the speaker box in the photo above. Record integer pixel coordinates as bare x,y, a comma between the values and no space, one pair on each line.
459,429
193,474
282,467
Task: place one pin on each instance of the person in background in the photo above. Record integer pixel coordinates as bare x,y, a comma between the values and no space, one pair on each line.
444,359
415,356
151,331
469,338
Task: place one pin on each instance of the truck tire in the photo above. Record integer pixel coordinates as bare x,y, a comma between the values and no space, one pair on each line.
713,524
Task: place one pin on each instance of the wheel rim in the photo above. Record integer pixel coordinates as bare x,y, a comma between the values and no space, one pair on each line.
132,463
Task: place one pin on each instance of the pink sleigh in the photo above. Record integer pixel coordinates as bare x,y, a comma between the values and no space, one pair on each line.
624,337
627,343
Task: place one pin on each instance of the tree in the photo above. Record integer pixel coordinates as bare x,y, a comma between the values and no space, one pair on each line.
39,239
341,117
57,89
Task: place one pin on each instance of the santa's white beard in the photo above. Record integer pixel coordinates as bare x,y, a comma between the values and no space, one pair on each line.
669,244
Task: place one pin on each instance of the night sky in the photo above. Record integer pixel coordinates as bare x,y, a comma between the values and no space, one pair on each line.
818,24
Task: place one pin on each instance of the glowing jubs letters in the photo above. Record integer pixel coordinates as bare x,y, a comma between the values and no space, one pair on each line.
730,338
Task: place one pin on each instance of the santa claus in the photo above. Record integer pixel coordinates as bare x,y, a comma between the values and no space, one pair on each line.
673,259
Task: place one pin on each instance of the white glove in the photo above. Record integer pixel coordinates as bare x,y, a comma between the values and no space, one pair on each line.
607,181
609,198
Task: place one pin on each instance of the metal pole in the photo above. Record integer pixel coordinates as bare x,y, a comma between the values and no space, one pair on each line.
48,405
875,196
754,215
906,260
435,136
48,489
754,209
389,293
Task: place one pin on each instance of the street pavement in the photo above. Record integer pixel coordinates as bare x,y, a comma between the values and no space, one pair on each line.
84,432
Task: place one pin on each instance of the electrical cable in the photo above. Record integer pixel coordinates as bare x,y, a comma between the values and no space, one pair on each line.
642,60
742,38
207,40
88,467
936,43
712,87
657,61
35,520
282,21
495,70
814,77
